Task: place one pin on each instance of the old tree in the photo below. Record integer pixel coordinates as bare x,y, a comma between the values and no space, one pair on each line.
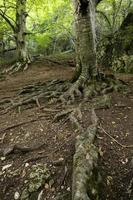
87,80
18,26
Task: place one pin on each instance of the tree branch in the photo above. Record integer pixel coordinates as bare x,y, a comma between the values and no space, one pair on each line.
7,19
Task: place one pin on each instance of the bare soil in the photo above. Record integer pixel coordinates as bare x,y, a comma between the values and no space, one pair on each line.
34,126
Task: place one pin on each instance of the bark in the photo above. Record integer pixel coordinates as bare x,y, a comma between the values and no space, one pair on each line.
20,32
86,178
85,39
2,44
2,47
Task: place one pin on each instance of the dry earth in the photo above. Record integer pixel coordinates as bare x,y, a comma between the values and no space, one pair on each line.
53,142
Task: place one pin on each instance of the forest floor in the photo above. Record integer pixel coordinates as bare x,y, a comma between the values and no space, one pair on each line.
51,143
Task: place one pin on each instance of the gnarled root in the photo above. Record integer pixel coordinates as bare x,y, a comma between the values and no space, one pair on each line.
74,91
19,65
86,177
86,89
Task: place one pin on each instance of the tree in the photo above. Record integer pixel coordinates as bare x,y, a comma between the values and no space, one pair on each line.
86,64
20,32
18,26
86,38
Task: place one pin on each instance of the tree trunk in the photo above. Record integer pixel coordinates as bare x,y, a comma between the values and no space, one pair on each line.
20,32
116,51
2,44
85,39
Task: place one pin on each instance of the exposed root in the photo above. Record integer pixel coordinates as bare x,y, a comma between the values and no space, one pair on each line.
86,177
130,189
18,148
38,93
19,65
73,92
113,139
87,89
64,113
60,91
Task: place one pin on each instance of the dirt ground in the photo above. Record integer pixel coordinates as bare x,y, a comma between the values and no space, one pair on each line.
54,141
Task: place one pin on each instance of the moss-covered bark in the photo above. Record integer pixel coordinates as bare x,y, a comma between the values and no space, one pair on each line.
85,39
86,177
20,32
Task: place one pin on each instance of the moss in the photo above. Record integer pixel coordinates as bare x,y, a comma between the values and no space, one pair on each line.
123,64
38,176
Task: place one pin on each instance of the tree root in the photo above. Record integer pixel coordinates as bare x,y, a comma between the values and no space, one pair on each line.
86,178
48,91
87,89
61,91
18,148
113,139
16,67
19,65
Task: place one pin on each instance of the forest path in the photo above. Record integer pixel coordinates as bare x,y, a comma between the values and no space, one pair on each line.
52,143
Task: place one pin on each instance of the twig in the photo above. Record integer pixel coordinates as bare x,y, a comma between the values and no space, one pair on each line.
2,138
40,195
122,145
64,176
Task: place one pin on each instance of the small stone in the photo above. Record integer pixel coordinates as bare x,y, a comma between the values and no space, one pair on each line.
68,189
127,134
46,186
26,164
16,195
61,159
62,187
26,181
113,122
3,158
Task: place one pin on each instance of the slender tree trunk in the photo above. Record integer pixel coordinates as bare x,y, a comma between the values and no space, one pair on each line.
86,39
2,44
20,32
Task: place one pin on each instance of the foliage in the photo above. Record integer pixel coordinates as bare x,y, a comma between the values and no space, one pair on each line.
111,13
123,64
114,44
50,26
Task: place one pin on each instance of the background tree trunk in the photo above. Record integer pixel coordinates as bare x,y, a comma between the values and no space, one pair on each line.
21,15
117,49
